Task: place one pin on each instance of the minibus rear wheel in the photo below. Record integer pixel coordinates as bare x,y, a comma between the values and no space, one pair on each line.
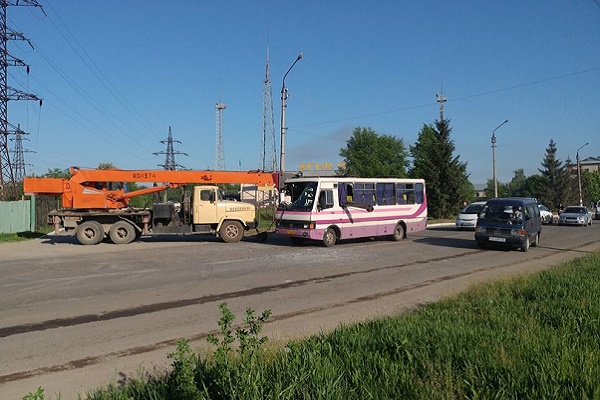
398,232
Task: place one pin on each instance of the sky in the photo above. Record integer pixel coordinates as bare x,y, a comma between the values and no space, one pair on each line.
114,76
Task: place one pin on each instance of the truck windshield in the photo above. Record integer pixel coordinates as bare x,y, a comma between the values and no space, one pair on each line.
300,196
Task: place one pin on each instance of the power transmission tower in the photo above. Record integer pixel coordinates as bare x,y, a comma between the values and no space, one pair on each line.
8,182
220,151
170,163
19,160
268,151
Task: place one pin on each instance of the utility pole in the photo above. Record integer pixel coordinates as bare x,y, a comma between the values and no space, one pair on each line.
170,163
220,151
8,183
284,96
268,151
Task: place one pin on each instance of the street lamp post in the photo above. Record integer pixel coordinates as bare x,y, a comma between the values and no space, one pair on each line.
579,173
284,96
494,158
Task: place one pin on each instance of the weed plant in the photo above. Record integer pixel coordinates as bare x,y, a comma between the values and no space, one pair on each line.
535,337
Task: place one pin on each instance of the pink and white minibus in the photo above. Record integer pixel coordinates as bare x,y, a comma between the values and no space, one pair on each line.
335,208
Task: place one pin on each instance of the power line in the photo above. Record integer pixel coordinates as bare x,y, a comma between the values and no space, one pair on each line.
453,100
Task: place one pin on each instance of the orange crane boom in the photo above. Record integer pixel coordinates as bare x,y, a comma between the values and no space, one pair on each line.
105,189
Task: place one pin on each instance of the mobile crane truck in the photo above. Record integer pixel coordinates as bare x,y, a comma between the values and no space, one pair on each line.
95,204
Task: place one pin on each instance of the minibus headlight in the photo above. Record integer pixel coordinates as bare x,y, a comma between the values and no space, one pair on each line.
518,232
481,229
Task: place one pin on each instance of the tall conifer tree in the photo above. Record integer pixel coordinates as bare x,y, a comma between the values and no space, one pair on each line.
445,175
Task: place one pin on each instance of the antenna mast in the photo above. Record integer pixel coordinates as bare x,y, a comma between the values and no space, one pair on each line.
268,151
441,99
220,152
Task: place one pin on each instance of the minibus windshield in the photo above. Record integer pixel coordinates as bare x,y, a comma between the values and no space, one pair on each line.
300,196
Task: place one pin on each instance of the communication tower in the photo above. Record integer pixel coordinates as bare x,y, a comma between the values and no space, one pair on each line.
441,99
220,151
170,163
268,151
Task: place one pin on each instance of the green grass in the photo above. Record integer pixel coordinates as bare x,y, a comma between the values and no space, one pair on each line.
534,337
20,236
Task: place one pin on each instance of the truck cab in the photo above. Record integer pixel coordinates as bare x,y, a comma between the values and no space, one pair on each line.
205,211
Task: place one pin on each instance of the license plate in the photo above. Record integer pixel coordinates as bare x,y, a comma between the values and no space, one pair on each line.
290,232
497,239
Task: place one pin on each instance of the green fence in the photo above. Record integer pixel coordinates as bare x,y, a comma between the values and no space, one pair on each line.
17,216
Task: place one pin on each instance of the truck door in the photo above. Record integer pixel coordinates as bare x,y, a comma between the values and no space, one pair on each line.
205,206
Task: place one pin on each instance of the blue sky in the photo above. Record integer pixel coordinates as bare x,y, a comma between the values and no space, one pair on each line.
115,75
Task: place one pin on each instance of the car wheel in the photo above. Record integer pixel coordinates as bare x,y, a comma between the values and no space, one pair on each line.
537,240
525,246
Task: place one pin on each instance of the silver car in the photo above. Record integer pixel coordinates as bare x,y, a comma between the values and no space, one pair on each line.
575,215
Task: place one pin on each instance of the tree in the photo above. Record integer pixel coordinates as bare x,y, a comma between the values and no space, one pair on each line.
106,165
369,155
591,180
58,173
552,182
570,194
445,175
517,187
489,189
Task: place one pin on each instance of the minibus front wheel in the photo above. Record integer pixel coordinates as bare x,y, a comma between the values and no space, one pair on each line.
329,237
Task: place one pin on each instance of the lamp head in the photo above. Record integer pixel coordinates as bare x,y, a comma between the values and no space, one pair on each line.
300,56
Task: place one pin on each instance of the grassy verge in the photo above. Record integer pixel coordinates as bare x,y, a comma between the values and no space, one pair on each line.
530,338
20,236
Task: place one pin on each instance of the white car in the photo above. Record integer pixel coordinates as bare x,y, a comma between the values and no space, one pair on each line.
575,215
546,214
467,218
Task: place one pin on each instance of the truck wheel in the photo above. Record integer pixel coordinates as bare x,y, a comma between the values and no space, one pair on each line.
122,232
90,232
329,237
231,231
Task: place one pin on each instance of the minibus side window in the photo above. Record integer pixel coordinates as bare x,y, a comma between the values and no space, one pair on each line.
325,199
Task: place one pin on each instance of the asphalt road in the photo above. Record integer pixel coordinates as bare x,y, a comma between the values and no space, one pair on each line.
73,318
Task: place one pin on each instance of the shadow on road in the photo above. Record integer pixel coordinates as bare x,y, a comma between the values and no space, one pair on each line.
456,243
